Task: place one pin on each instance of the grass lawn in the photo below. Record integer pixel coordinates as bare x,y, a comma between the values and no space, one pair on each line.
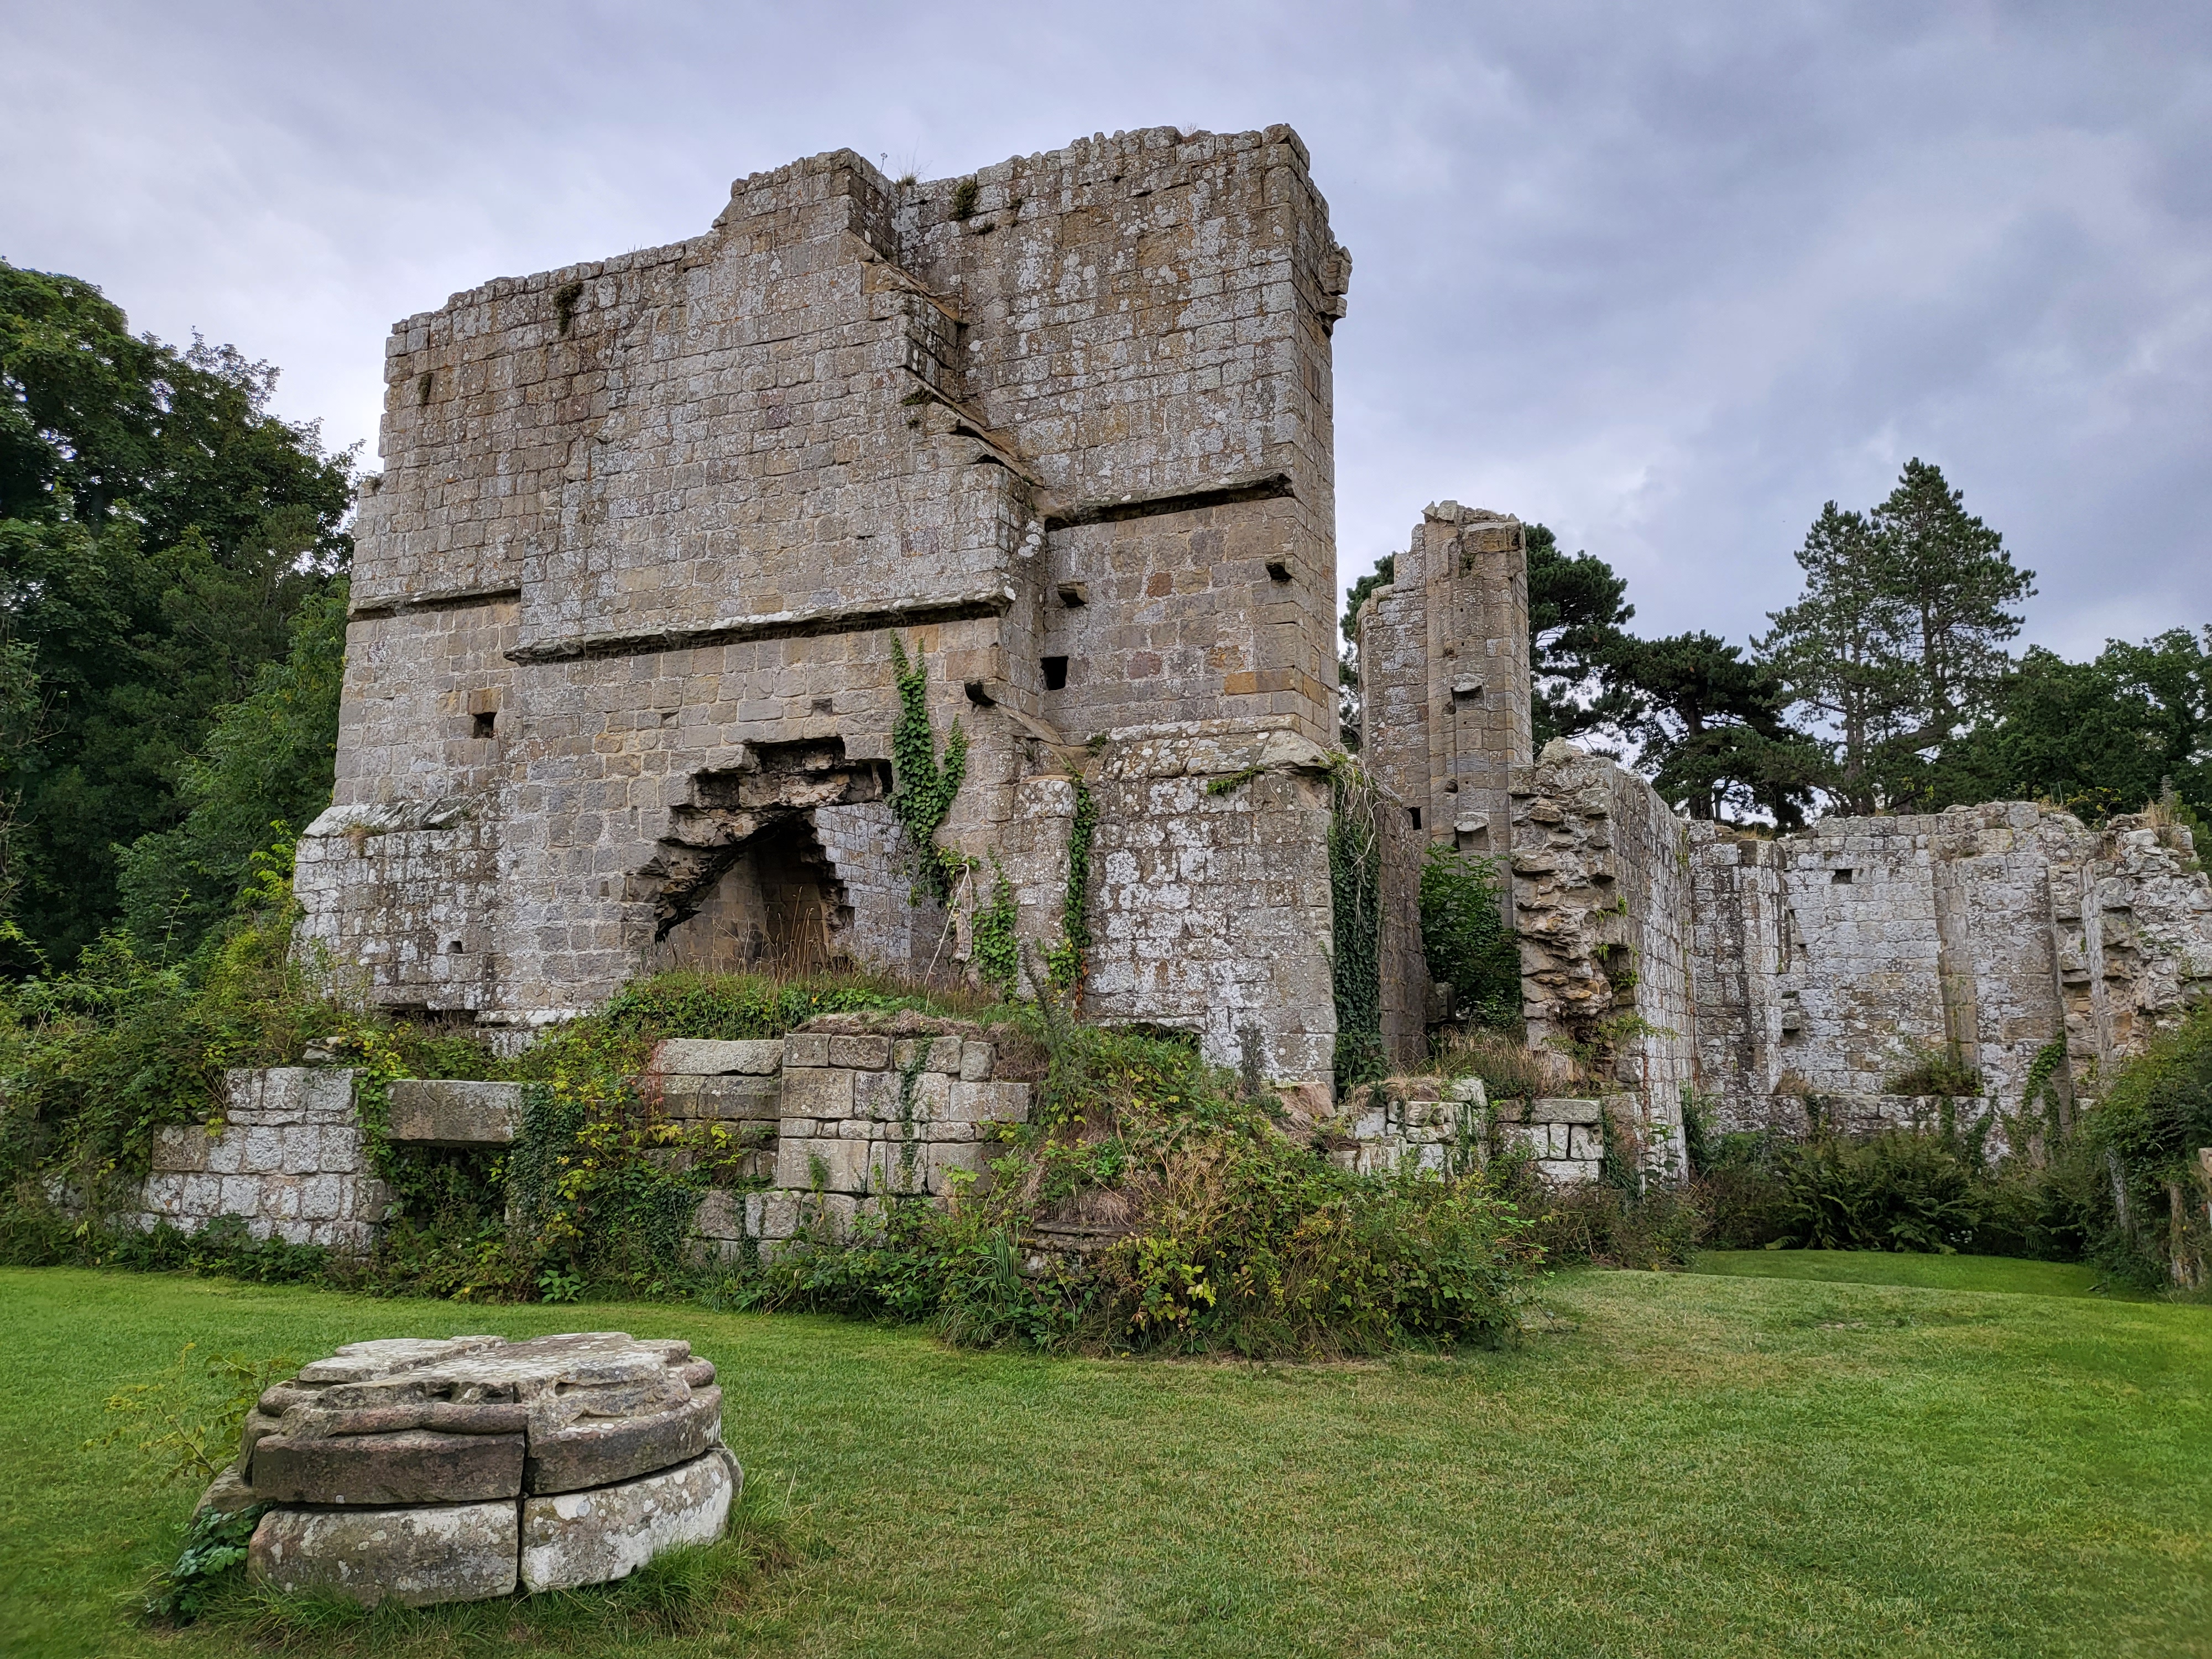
1927,1273
1680,1464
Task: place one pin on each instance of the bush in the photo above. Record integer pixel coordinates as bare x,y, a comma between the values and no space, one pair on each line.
1231,1237
1935,1074
1465,939
1656,1224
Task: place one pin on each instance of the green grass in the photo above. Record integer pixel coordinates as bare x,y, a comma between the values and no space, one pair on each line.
1678,1464
1926,1272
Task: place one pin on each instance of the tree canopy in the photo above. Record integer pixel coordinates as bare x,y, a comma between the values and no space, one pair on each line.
159,529
1897,646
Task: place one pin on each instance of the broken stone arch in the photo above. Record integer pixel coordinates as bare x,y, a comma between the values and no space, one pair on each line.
742,881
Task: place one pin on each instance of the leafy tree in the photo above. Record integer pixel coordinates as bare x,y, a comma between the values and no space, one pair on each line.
263,775
1576,618
1711,730
158,529
2108,735
1897,644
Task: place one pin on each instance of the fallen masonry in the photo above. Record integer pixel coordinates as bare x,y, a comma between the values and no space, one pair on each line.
427,1471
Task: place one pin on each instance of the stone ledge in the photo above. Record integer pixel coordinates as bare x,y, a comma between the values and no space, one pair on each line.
706,1057
447,1112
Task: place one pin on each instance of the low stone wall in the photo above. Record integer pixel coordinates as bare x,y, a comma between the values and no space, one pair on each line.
1419,1122
286,1155
864,1115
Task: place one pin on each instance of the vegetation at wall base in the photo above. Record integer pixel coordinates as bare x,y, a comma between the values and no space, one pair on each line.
1465,938
1355,881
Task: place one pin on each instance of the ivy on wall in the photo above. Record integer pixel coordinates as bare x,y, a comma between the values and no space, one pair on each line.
924,786
992,947
1066,962
1355,880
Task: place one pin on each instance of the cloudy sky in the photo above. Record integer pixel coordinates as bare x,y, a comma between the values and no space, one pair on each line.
1665,277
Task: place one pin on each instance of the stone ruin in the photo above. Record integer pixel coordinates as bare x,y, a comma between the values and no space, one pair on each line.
621,683
651,531
423,1471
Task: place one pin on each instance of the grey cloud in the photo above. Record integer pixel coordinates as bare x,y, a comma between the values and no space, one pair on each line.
1667,277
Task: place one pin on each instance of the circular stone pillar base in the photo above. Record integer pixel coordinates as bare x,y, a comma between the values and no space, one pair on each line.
456,1470
420,1554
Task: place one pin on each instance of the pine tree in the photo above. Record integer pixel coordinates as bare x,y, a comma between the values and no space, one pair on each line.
1897,644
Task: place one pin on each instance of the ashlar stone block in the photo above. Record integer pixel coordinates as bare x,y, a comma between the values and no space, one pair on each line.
594,1536
416,1557
701,1057
445,1112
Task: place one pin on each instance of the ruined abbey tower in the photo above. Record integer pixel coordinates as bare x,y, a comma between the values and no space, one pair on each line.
619,689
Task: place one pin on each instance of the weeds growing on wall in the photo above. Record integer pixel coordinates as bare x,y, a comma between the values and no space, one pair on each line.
1216,1233
1935,1072
1355,880
924,786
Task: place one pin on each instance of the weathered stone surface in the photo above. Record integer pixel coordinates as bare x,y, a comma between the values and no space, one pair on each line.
449,1113
416,1557
816,1092
1559,1109
226,1494
722,1099
591,1451
290,1161
572,696
414,1467
702,1057
592,1536
1828,961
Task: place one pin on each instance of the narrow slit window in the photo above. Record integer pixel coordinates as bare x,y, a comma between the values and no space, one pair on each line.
1414,814
1055,673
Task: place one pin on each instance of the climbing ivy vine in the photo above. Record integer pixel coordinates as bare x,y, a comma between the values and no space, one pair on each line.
1065,963
924,786
996,953
1355,880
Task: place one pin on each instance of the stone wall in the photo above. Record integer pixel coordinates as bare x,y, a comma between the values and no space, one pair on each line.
1601,901
1828,962
619,688
857,1116
286,1156
1444,666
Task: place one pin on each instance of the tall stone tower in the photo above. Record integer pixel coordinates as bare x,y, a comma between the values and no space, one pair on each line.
619,686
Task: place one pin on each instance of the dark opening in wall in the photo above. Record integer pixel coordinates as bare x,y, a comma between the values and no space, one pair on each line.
1842,877
1414,814
482,726
1055,673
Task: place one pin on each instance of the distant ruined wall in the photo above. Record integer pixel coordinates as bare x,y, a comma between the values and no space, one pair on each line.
1826,963
1444,668
620,686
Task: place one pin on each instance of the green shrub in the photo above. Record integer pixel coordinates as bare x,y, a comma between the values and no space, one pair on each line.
1465,937
1934,1073
1235,1238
